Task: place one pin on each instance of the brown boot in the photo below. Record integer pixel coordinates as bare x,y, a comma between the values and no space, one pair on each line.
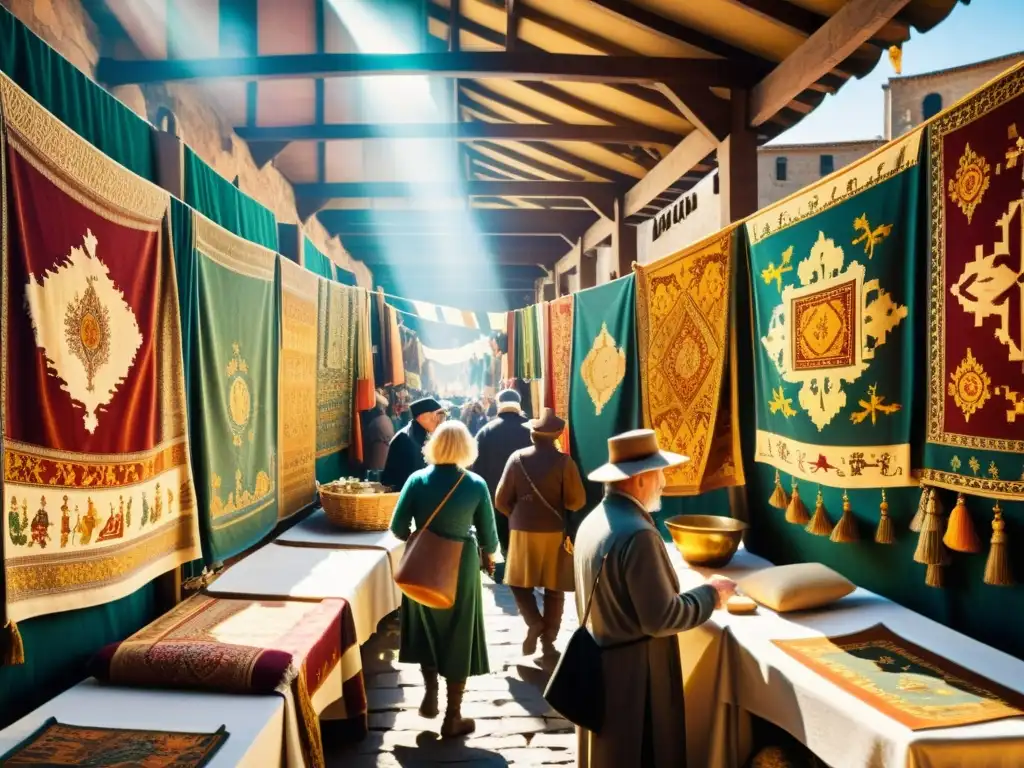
554,603
526,602
455,724
429,708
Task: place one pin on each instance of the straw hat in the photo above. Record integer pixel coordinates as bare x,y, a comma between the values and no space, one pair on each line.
547,424
633,453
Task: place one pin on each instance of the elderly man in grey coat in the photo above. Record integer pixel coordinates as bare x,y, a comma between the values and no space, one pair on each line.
638,609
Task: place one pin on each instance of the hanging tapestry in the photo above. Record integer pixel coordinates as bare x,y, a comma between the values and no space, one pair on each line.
234,389
97,489
297,382
684,343
832,270
604,393
365,396
558,365
316,261
976,319
55,745
335,345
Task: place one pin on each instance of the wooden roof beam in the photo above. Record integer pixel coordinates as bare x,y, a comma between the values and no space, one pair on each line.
513,12
834,41
511,65
706,112
808,22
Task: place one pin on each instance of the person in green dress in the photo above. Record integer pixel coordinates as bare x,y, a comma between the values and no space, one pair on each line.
451,642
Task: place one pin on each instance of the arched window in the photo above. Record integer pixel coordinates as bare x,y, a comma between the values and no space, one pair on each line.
931,105
166,121
780,169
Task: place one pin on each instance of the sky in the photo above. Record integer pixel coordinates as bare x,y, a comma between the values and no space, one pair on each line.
982,30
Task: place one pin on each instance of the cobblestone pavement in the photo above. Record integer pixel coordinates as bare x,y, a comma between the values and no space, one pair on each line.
514,725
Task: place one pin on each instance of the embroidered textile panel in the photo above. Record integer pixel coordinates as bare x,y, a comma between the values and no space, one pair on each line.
558,361
684,345
97,489
832,270
604,393
235,388
335,376
975,439
297,382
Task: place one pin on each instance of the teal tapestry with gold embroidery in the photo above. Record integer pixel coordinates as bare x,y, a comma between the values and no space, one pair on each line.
836,314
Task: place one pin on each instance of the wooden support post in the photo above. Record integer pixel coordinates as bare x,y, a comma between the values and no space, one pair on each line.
623,242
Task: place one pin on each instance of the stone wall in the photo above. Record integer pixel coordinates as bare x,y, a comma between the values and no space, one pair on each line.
66,26
803,165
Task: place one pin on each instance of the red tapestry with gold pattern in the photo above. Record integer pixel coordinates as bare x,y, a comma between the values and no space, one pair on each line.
97,487
558,367
976,394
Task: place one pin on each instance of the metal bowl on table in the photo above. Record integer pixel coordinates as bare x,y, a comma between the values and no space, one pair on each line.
706,541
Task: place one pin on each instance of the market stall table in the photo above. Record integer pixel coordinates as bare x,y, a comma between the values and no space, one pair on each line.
317,531
733,670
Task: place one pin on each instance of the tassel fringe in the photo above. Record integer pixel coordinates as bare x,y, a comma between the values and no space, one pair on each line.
929,544
886,533
997,567
796,512
922,509
779,499
845,531
935,576
12,648
960,534
820,525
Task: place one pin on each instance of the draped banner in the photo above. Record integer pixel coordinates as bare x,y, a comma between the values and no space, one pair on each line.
235,389
297,382
315,260
684,342
558,366
97,488
604,393
335,361
975,439
835,318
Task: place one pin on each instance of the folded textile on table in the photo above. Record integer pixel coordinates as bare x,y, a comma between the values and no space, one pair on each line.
244,646
687,363
335,376
904,681
97,488
317,531
58,744
975,437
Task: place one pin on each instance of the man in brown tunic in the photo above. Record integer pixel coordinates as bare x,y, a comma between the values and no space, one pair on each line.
637,606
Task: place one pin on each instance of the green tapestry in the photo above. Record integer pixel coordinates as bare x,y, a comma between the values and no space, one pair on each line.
604,388
835,318
315,261
223,203
230,291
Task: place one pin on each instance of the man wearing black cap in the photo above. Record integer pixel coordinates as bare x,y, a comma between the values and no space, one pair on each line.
497,440
405,454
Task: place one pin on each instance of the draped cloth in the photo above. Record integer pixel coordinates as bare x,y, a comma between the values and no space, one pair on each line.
335,377
297,382
97,488
365,391
975,433
558,365
246,647
233,388
684,342
316,261
835,316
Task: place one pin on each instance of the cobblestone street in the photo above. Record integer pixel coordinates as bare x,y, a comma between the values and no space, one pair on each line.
514,725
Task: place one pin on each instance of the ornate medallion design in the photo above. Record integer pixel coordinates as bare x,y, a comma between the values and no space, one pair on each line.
239,396
968,186
603,369
969,387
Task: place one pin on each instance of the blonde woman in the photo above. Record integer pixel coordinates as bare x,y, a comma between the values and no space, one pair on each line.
450,643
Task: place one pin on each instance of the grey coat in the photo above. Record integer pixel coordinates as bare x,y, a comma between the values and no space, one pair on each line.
638,596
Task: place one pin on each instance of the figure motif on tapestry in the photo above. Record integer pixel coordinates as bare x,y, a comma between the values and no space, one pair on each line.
114,527
158,506
17,525
145,511
65,523
603,369
87,524
41,525
95,349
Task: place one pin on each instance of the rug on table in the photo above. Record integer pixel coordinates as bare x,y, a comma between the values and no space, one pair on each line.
904,681
58,744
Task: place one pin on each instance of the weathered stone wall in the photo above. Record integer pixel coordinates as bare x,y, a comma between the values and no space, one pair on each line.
66,26
803,166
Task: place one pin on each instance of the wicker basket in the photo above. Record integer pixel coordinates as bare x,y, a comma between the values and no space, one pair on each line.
358,511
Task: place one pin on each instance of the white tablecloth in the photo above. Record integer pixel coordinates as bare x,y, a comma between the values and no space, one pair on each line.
317,531
360,576
255,724
733,659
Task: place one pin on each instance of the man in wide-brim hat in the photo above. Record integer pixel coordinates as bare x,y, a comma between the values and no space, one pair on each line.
405,454
538,492
637,606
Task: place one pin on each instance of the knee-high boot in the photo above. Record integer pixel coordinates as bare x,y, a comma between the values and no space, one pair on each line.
526,602
429,706
554,603
455,724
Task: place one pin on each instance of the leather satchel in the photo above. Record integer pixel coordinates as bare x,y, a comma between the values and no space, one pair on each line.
564,518
429,570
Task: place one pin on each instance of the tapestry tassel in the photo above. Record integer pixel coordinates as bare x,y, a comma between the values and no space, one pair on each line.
885,533
845,531
929,543
960,534
935,576
922,507
779,499
820,525
997,568
12,649
796,512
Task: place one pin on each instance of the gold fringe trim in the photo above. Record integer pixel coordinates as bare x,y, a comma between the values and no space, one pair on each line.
309,723
820,525
960,534
12,647
997,567
935,576
922,508
886,532
845,531
796,512
929,544
778,499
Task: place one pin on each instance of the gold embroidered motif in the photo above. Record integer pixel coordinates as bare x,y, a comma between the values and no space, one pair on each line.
239,396
603,369
781,404
241,498
969,387
24,466
1016,401
955,463
98,361
873,406
972,178
974,464
870,237
771,272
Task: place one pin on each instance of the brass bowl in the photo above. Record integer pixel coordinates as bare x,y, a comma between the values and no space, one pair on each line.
707,541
